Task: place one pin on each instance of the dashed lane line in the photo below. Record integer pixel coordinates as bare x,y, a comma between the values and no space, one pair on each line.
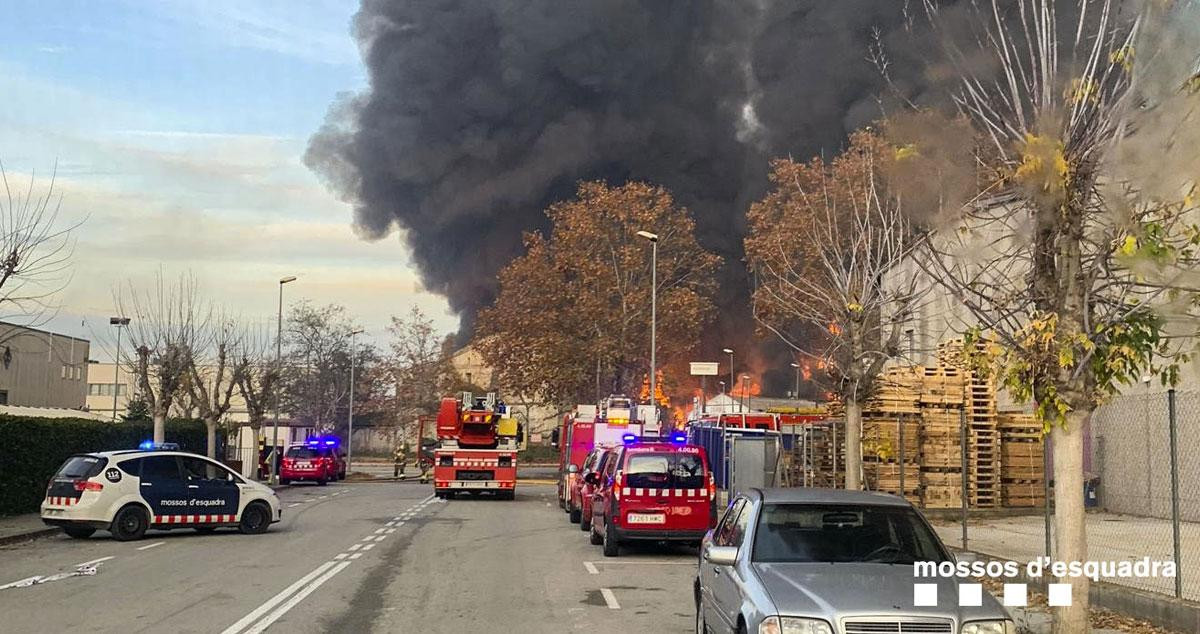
591,568
257,613
94,561
297,598
610,599
149,546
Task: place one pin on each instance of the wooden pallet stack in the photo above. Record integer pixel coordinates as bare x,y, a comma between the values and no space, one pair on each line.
984,449
883,453
941,457
1022,450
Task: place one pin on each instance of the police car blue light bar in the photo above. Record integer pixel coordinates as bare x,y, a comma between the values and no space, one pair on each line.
628,438
149,445
678,437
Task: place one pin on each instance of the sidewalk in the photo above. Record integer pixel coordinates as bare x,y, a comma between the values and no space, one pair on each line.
19,528
1111,537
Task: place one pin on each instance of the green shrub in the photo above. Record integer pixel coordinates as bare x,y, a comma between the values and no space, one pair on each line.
32,450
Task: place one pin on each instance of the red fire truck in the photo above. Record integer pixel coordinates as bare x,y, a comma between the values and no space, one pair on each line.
477,447
587,427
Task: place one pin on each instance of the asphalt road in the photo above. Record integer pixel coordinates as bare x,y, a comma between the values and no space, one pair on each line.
371,557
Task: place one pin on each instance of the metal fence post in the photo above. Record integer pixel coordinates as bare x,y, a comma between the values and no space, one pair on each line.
900,433
962,436
1174,489
1046,471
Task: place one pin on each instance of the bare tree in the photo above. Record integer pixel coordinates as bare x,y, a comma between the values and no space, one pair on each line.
213,374
165,325
1076,258
35,253
258,375
821,244
316,374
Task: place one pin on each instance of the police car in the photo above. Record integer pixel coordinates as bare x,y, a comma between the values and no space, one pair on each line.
130,491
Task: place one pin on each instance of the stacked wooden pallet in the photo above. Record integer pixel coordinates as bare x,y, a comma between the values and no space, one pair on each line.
984,450
1022,451
898,392
941,457
890,440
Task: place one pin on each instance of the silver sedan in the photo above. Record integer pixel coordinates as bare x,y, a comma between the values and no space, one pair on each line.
819,561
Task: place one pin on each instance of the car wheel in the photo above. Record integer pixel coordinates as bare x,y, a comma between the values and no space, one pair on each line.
575,515
322,481
741,628
585,522
612,547
284,481
79,532
206,529
129,524
593,537
255,519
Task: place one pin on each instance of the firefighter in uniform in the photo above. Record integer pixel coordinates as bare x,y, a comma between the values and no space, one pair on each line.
400,459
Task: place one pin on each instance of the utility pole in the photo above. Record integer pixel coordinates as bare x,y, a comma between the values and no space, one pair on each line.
350,417
275,457
118,322
653,238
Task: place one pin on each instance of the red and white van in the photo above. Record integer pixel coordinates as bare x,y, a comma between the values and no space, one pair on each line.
659,491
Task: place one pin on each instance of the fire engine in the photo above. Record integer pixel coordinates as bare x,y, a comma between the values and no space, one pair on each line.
592,426
477,447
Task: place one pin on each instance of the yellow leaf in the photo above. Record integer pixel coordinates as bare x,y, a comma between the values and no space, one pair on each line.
1129,246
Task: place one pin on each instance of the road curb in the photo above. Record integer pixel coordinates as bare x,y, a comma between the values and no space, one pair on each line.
28,536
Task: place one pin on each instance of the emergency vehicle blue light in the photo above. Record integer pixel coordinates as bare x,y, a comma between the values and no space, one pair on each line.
678,437
628,438
146,445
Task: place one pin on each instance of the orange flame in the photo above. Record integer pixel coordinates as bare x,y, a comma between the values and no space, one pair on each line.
834,329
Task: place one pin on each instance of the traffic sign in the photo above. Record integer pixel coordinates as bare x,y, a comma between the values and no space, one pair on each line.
704,368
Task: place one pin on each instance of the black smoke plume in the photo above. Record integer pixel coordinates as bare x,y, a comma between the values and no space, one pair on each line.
481,113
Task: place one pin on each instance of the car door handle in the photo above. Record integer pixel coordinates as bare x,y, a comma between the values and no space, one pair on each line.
147,484
193,486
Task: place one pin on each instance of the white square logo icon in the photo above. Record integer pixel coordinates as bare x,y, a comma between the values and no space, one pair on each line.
1015,595
925,595
1060,594
970,595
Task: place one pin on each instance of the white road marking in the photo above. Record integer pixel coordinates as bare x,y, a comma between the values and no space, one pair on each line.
399,524
610,599
297,598
340,556
379,530
380,538
645,563
391,523
294,504
22,582
390,531
355,546
356,555
275,600
591,568
366,548
149,546
94,561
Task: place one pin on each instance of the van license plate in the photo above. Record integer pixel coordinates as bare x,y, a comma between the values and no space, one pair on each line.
303,465
647,518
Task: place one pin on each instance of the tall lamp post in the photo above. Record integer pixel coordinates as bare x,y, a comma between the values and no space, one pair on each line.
746,391
653,238
350,418
796,394
275,458
729,351
118,322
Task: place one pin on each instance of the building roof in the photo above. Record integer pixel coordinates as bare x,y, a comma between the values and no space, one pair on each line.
42,332
812,495
50,412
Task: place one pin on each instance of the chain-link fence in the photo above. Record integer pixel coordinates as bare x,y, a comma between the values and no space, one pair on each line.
984,482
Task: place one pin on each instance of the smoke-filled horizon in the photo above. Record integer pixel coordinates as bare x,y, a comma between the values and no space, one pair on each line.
480,114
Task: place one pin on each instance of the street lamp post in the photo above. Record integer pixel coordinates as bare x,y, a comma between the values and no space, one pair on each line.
653,238
796,394
746,392
729,351
275,458
350,418
118,322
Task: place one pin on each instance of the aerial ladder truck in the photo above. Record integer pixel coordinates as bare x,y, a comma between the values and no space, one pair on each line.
477,447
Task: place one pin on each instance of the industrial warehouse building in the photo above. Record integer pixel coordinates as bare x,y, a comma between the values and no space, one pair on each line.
39,368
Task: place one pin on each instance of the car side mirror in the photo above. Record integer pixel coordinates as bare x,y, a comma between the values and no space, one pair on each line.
572,469
721,555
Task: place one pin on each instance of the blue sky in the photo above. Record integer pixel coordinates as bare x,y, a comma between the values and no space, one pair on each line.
178,129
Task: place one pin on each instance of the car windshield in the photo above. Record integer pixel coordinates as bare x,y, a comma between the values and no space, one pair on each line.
826,533
81,467
665,471
302,452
